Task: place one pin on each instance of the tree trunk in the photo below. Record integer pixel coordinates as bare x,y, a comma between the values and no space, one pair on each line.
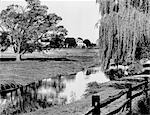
18,57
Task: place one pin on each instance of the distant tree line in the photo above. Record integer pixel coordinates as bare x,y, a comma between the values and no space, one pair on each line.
60,41
71,42
53,41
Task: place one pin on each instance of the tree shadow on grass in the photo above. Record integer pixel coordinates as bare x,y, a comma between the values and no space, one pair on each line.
37,59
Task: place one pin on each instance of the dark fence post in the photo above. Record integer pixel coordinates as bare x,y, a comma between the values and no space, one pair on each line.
96,103
40,83
11,95
146,89
129,95
21,98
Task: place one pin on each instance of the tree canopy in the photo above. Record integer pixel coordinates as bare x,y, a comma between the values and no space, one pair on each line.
4,41
70,42
124,30
87,42
28,26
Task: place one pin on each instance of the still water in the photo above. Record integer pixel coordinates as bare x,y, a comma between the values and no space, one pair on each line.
52,91
73,89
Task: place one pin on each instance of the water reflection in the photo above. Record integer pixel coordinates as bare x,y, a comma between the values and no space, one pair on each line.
74,89
52,91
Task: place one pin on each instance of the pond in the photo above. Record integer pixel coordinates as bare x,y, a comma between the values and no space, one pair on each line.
74,88
54,91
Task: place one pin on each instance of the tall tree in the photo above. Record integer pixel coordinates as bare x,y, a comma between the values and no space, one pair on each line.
124,26
28,26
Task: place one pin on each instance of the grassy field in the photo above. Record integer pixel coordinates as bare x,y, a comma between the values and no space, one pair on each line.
37,65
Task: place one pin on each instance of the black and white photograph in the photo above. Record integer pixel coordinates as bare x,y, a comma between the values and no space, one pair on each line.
74,57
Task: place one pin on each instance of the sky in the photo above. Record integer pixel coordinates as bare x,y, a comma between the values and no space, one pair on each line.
78,16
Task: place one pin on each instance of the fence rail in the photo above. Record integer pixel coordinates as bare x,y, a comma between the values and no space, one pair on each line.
95,110
23,96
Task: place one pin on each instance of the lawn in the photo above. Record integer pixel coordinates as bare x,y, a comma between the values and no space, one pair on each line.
37,66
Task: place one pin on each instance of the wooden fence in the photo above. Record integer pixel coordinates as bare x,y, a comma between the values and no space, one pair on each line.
96,105
24,96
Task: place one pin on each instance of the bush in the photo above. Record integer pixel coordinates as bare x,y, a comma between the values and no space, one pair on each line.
134,68
122,70
141,107
114,74
92,88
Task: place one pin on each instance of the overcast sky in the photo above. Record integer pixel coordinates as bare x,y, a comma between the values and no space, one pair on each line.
79,16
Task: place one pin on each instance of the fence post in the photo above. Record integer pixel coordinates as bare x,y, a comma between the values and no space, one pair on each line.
146,89
39,83
129,95
11,95
96,103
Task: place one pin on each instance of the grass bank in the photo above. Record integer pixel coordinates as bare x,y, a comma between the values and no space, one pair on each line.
63,61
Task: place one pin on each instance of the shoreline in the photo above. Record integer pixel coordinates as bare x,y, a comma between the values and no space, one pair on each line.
25,72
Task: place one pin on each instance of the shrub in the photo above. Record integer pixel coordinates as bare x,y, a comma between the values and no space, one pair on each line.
114,74
134,68
141,107
92,88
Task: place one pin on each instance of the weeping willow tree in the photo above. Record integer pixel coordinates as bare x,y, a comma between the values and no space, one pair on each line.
124,30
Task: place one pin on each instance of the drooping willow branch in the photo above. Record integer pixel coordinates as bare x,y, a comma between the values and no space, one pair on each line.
124,25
